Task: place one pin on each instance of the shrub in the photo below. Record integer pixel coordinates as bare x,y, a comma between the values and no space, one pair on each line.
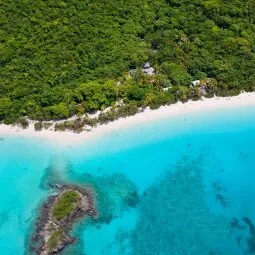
106,117
53,240
38,126
90,121
60,126
23,122
127,110
47,125
65,204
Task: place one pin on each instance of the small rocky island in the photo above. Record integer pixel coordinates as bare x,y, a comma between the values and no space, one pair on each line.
58,214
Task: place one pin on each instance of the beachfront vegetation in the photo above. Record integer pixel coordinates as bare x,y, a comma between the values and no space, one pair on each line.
54,239
65,58
65,204
38,126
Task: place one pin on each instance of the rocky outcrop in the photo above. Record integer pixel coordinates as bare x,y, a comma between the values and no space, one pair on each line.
52,231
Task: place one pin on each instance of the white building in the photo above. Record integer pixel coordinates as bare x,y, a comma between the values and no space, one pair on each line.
195,83
148,69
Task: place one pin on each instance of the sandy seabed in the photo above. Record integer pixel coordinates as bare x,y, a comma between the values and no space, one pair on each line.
68,138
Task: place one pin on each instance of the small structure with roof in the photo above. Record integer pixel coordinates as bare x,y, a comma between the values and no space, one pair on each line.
202,85
148,69
195,83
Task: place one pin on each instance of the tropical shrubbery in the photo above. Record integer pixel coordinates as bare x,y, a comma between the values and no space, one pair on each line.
54,239
61,58
65,204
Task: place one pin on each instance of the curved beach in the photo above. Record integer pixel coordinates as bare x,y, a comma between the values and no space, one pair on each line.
67,138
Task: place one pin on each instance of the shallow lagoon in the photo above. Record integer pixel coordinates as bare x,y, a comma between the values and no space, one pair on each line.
194,175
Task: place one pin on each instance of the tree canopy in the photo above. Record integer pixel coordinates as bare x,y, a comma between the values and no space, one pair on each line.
60,58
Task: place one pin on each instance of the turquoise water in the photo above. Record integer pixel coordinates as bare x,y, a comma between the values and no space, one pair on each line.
183,185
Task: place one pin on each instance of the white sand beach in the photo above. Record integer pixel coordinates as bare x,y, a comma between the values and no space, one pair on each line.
68,138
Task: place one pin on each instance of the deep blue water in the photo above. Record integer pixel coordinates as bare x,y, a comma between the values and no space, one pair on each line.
194,175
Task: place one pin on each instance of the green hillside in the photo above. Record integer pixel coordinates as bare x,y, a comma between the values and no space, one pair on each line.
60,58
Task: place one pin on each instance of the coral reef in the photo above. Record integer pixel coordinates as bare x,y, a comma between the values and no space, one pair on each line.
174,218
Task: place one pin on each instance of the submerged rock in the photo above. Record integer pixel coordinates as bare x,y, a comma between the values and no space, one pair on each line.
57,216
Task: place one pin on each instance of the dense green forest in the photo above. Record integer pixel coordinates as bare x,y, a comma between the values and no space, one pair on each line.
61,58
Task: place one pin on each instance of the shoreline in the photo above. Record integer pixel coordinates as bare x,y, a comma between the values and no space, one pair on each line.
54,223
67,138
